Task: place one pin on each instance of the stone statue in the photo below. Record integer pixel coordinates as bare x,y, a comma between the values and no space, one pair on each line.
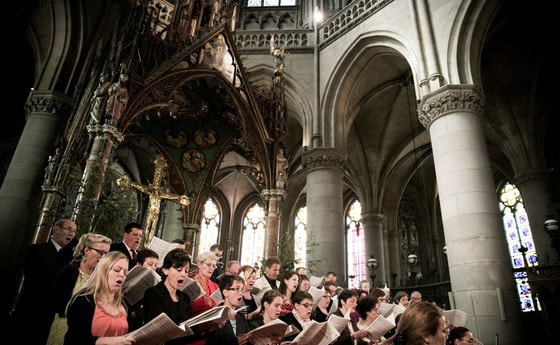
100,97
281,169
278,54
118,97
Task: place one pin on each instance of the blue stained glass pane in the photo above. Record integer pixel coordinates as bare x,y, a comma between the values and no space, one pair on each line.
509,223
515,228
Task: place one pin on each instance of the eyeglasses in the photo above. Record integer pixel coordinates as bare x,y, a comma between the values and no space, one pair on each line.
209,265
67,228
470,341
306,305
235,289
99,251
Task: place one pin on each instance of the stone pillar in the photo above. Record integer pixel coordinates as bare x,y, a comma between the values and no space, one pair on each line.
105,137
191,230
535,191
324,168
373,231
21,191
274,197
481,274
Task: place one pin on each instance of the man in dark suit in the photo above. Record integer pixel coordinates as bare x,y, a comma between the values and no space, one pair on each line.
130,244
42,262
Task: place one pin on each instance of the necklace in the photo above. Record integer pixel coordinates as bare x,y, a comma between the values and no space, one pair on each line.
114,315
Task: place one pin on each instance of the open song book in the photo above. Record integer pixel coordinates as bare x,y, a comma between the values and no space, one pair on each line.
455,317
162,328
137,281
272,331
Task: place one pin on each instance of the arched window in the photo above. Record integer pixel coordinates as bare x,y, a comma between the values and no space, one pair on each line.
252,250
210,226
259,3
300,237
355,245
520,241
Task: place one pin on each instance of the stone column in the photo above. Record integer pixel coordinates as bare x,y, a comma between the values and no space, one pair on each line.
274,197
191,230
535,191
324,168
481,274
21,191
373,231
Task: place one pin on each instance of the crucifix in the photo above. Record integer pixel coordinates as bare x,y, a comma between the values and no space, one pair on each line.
156,194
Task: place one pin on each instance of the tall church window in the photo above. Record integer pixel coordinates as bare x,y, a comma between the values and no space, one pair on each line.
252,250
300,237
355,245
259,3
210,226
520,242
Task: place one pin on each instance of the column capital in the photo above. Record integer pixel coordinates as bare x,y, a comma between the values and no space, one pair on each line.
323,158
532,175
278,194
105,131
50,102
373,218
449,99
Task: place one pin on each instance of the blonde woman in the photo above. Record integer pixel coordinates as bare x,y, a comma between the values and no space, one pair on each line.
97,314
72,277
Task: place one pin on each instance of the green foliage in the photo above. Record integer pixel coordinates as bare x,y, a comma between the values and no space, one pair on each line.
106,216
286,252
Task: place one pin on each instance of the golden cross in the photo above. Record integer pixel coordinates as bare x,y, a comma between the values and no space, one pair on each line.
156,194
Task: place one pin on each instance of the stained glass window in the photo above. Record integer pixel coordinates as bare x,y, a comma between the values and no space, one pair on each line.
209,227
300,237
252,250
356,245
520,242
259,3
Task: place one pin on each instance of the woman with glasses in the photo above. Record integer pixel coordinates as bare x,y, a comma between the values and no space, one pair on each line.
321,311
232,332
97,312
461,336
206,263
367,311
300,316
90,249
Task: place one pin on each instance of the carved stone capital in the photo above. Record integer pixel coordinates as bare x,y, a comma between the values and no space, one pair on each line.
450,99
48,102
323,158
531,176
278,194
373,218
105,131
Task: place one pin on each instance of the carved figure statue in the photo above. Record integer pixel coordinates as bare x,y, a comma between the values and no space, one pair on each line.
118,97
100,97
278,54
281,169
